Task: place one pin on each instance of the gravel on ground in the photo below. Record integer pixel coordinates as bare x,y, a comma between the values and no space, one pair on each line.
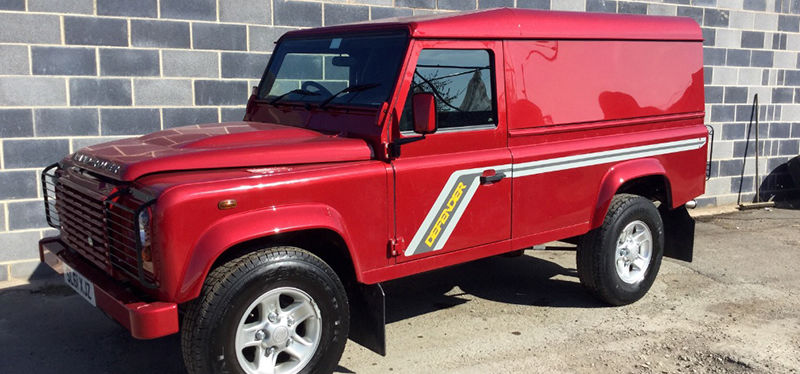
735,309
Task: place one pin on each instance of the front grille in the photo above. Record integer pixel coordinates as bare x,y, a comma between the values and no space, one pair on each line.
101,225
81,218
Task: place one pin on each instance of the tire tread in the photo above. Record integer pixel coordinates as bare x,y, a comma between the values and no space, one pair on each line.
201,312
589,255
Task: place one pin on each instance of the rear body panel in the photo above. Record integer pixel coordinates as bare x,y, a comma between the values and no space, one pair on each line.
634,100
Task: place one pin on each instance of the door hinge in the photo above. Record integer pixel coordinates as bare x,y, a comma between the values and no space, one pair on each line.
394,246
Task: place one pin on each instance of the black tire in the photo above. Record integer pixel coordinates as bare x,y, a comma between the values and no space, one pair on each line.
211,320
596,251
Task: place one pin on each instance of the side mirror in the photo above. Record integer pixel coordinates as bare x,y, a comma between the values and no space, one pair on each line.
424,107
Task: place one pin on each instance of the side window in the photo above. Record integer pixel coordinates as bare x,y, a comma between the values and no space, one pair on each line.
461,82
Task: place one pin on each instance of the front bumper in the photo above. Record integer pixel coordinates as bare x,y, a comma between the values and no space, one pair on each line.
145,320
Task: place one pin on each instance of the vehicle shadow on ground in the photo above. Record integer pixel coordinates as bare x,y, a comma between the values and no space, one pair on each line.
52,330
523,280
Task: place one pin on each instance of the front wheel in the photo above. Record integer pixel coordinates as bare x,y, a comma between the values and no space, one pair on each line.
618,261
279,310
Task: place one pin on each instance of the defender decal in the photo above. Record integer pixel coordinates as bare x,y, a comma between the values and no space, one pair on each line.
437,228
442,218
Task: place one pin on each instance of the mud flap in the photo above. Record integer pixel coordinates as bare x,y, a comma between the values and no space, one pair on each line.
368,317
678,234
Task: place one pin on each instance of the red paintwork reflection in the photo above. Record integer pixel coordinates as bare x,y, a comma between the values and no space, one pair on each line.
562,82
225,145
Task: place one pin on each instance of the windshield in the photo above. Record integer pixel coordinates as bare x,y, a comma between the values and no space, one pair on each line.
351,70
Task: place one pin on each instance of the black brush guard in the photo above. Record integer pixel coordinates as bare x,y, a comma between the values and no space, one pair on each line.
110,224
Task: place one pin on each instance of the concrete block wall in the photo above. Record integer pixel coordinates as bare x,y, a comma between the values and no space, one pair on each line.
78,72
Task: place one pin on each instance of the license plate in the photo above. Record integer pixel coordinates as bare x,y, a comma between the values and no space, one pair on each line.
80,284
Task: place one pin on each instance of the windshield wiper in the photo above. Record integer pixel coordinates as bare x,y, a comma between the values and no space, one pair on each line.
353,88
298,91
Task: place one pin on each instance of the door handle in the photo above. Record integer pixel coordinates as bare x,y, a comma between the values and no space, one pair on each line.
491,176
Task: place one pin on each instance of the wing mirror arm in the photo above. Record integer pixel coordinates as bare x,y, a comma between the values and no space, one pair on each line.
424,109
394,147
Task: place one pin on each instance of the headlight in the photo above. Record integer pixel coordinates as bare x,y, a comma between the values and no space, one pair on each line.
144,228
144,238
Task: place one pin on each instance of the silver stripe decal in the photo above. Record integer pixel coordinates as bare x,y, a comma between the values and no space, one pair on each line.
596,158
471,180
473,187
454,198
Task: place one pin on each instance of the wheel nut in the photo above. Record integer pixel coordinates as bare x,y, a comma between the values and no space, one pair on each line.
290,321
260,335
272,317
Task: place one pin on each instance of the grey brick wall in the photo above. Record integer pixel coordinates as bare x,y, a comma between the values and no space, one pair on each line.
79,72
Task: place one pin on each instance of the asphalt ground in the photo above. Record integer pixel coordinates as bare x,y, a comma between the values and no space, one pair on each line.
735,309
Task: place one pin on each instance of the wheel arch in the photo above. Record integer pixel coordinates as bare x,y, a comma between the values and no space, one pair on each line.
316,228
324,243
644,177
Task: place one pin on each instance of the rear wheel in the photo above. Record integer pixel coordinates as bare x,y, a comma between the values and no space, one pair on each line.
279,310
619,261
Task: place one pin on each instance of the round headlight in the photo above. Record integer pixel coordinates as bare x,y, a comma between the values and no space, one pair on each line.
144,227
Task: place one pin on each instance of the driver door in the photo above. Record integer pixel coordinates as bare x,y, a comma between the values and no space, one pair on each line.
453,188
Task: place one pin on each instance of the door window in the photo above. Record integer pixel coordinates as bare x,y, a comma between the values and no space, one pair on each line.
461,82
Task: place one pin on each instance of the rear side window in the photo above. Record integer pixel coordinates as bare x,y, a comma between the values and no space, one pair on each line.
461,82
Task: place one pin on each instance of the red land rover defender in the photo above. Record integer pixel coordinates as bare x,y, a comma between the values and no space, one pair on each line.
379,150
